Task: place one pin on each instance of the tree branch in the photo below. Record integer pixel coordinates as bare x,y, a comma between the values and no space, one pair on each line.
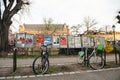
15,10
7,9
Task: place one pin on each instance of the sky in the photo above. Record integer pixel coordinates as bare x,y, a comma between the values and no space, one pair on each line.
71,12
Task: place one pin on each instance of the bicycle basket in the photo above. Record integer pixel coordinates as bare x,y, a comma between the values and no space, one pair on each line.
81,53
100,47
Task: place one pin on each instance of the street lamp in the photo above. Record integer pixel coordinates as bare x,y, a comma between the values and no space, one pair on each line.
114,43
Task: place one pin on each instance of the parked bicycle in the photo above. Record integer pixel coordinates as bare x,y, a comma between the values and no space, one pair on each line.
94,60
41,63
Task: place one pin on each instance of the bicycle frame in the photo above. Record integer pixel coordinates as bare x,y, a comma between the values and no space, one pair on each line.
41,63
93,53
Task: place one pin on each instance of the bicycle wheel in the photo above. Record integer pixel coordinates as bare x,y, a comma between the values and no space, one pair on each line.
80,60
39,67
96,62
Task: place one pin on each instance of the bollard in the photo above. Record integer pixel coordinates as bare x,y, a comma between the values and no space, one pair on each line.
14,60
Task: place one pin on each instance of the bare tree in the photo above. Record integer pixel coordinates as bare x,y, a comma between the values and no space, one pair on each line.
11,7
89,22
118,17
49,28
76,30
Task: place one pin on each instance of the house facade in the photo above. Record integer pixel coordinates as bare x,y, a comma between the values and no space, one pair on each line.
110,35
45,29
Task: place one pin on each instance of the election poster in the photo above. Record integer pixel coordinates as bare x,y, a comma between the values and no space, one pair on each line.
71,42
29,41
47,40
63,41
20,40
100,40
39,40
87,41
77,42
56,41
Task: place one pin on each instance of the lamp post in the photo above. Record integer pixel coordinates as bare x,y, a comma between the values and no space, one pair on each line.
114,43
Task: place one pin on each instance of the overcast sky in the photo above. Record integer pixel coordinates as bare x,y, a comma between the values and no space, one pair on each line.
72,12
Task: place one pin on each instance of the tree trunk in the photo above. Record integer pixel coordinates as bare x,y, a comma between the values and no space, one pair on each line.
4,37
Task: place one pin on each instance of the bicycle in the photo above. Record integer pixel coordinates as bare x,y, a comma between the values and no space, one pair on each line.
41,63
93,60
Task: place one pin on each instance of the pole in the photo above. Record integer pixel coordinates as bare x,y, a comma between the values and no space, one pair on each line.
115,48
119,59
14,60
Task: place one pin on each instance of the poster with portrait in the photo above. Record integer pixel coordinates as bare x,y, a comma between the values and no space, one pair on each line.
100,40
56,41
71,42
63,41
29,41
39,40
85,41
47,40
20,40
91,41
77,42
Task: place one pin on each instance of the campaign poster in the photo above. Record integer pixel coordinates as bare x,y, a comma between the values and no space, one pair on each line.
39,40
63,41
71,42
20,40
85,41
90,41
29,41
77,42
56,41
100,40
47,40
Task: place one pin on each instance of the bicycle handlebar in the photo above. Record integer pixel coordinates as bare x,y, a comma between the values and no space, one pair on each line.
46,45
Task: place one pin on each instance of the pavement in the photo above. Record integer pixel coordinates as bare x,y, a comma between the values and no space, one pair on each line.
104,74
8,62
62,60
